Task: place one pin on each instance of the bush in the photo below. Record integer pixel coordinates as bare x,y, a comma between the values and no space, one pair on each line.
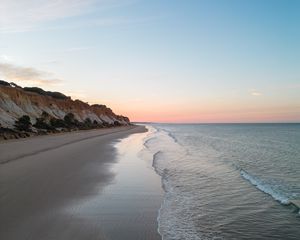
45,115
57,123
57,95
2,82
40,91
23,123
69,119
12,84
88,121
41,124
117,123
105,124
77,123
35,90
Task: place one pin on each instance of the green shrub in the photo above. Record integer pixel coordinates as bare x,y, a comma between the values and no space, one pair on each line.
41,124
23,123
58,123
4,83
88,121
69,119
40,91
117,123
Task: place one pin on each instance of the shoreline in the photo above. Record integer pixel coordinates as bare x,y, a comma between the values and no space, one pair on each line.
59,133
16,135
39,143
130,206
44,195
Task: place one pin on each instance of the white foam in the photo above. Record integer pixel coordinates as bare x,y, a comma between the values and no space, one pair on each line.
176,159
172,225
265,188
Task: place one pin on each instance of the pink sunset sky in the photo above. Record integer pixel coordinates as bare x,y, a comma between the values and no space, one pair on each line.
160,61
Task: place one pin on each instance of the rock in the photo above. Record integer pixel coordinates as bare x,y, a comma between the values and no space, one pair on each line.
50,111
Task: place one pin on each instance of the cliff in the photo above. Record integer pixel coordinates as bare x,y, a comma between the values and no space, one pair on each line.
16,102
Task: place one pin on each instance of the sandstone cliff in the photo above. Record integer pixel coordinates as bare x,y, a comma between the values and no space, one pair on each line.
34,102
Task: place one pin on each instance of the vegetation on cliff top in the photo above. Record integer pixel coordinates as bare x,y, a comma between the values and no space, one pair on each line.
37,90
40,91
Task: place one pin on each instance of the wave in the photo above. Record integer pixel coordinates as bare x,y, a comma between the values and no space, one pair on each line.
266,188
171,135
173,221
149,137
158,170
262,186
146,142
171,159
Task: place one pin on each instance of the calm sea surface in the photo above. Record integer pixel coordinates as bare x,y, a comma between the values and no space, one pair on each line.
227,181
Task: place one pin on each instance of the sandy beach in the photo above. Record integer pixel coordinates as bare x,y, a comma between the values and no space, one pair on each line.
47,182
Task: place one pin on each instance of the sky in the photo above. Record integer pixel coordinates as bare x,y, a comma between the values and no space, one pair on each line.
191,61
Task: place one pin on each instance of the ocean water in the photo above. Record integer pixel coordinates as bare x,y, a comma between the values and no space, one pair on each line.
227,181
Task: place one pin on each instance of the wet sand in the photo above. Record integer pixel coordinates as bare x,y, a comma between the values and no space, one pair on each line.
45,183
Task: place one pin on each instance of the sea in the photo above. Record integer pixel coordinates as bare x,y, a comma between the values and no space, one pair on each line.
226,181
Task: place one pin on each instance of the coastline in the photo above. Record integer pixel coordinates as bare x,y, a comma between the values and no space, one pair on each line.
36,144
45,189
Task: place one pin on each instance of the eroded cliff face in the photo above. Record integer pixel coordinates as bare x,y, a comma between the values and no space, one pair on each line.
16,102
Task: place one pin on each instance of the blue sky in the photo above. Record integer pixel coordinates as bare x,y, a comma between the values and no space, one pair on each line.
178,61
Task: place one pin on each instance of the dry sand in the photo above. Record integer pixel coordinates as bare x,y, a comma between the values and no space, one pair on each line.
42,177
